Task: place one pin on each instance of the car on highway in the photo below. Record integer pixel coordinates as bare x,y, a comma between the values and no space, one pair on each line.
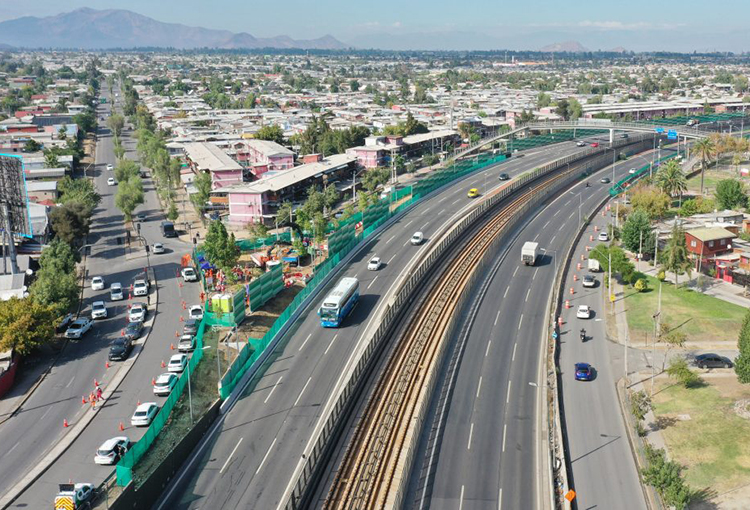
473,193
189,275
111,181
710,360
133,330
504,177
177,363
78,327
605,180
97,283
589,281
111,450
115,292
144,414
120,349
186,343
140,217
584,372
583,312
632,171
195,312
66,321
110,167
374,264
137,312
595,144
164,384
190,327
158,248
98,310
603,236
417,238
140,288
580,143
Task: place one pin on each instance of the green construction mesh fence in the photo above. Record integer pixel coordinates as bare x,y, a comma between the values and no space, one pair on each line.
623,183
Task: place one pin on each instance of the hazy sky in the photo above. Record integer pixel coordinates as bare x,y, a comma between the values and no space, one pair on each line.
684,25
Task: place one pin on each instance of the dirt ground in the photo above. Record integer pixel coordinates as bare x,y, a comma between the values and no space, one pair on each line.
258,323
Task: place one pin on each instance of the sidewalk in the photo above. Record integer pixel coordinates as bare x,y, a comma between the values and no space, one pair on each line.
30,374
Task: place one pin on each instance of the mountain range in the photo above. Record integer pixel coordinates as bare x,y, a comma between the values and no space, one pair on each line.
92,29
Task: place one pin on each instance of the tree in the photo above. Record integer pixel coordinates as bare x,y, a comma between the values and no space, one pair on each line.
71,221
284,213
331,196
59,256
678,369
705,149
56,283
257,230
666,477
675,255
527,116
651,200
32,145
126,169
116,122
412,126
575,110
742,363
172,214
25,325
220,247
636,230
86,121
50,160
730,194
78,190
272,133
543,100
640,404
354,85
129,196
202,185
671,180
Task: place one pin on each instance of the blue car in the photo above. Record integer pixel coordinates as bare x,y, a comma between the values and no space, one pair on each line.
584,372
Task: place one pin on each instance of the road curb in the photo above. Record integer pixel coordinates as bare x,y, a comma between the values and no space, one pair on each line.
77,429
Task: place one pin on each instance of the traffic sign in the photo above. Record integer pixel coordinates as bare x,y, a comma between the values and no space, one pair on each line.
570,495
659,130
672,134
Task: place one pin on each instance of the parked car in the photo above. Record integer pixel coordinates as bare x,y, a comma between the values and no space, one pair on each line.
66,321
111,450
190,327
584,372
374,264
120,349
177,363
710,360
137,312
195,312
583,312
144,414
111,181
186,344
189,275
504,177
97,283
115,292
98,310
78,327
140,288
133,330
158,248
164,384
589,281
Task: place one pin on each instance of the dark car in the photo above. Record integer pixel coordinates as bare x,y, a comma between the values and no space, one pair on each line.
710,360
190,327
65,322
133,330
504,177
584,372
605,180
120,349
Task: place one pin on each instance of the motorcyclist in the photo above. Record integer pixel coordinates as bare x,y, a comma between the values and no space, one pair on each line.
583,334
588,185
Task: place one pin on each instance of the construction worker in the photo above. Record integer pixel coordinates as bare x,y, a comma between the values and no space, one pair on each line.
99,393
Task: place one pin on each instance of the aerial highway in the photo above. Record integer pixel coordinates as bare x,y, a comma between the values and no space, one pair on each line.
38,427
489,449
251,453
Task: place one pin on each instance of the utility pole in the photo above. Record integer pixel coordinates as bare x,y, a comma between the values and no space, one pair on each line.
640,250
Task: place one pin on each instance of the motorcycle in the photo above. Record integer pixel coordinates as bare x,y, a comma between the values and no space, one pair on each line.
583,335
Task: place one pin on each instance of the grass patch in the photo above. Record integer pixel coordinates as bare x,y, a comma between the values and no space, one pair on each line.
712,177
702,318
714,444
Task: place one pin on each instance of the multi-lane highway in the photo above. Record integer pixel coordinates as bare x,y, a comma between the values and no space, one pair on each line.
248,462
31,434
488,451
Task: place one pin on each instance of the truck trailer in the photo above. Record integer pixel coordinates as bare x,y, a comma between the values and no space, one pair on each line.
529,253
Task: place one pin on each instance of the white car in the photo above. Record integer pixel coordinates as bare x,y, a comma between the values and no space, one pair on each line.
580,143
589,281
140,288
187,343
158,248
583,312
189,275
115,292
417,238
111,181
97,283
164,384
78,328
195,312
137,312
110,167
144,414
374,264
111,450
177,363
98,310
603,236
632,170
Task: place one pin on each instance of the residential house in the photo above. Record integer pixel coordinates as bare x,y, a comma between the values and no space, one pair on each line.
207,157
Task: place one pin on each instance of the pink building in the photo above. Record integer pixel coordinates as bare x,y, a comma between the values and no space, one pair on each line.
207,157
262,156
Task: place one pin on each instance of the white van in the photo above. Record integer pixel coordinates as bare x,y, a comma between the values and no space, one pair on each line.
417,238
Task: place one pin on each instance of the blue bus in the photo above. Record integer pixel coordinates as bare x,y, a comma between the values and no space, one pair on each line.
339,302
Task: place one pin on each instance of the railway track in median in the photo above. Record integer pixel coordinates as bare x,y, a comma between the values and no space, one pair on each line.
373,457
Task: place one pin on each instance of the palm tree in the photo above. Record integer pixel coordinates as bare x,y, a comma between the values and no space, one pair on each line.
676,258
705,148
671,180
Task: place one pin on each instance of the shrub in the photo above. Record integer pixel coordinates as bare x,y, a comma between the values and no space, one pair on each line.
666,477
661,275
641,285
679,370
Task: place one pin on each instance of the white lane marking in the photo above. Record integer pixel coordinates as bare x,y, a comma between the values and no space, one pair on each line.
471,433
329,345
461,500
528,292
497,317
425,225
514,272
500,499
536,237
506,291
70,382
265,456
441,211
507,397
221,471
520,322
571,214
14,447
391,239
407,242
545,225
553,239
410,222
394,255
301,392
455,201
373,281
566,203
427,209
303,343
49,408
535,272
488,348
273,389
505,429
514,351
479,386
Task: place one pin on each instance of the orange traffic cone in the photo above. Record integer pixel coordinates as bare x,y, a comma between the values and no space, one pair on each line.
138,404
560,320
182,319
96,383
578,266
65,423
184,305
572,291
575,277
122,332
106,364
121,427
153,381
162,364
567,303
171,346
591,237
177,334
83,400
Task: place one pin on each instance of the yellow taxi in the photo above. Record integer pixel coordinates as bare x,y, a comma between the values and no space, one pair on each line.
473,193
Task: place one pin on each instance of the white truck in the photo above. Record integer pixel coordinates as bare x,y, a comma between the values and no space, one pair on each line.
594,266
529,253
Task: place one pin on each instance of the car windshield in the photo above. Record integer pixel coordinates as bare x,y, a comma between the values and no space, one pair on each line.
141,414
104,453
76,325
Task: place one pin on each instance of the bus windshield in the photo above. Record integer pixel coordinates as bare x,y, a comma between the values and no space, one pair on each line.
328,313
